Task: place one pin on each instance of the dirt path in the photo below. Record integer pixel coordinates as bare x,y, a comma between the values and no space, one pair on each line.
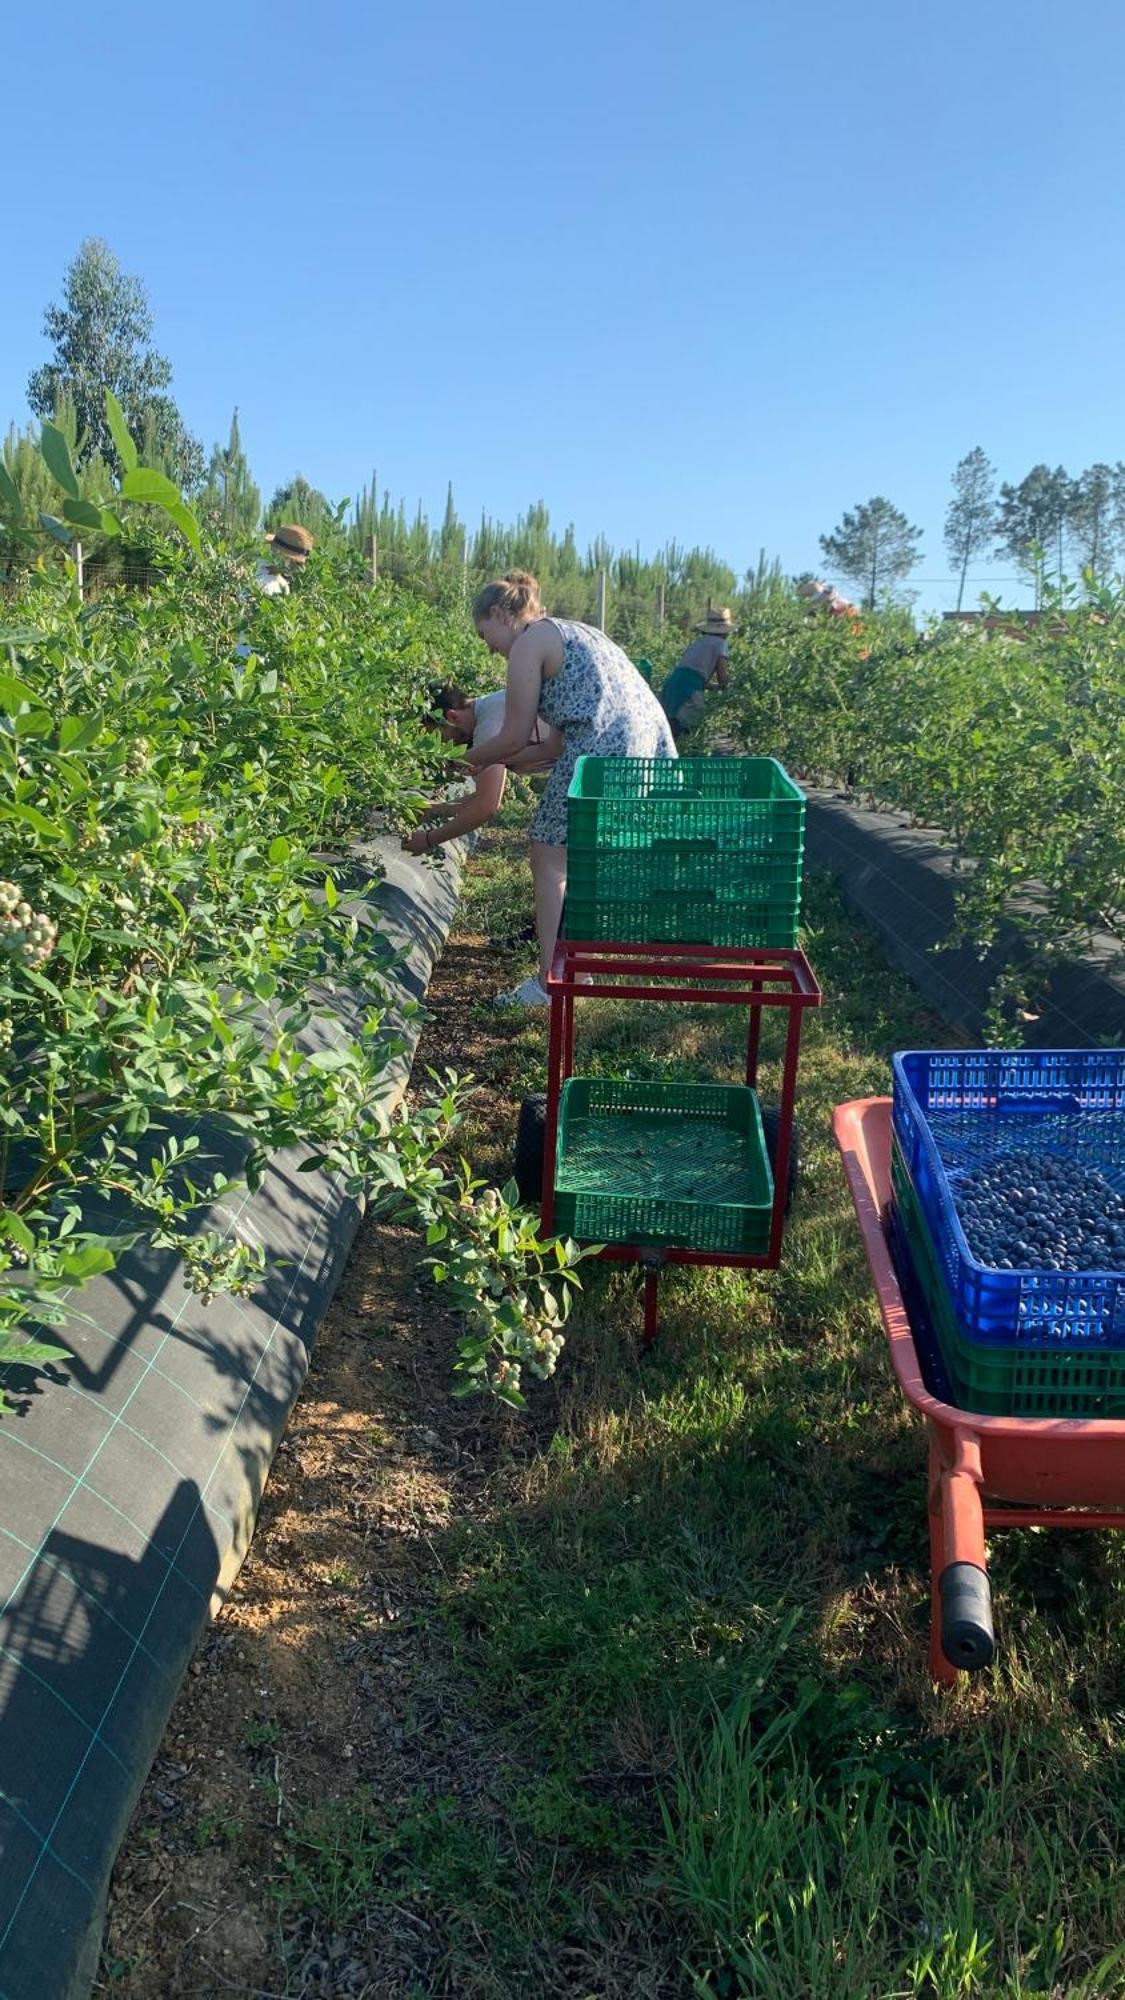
322,1677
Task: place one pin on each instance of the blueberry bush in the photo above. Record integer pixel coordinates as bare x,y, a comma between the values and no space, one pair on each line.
1012,744
182,777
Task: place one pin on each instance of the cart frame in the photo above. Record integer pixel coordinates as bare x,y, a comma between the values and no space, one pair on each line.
984,1472
752,977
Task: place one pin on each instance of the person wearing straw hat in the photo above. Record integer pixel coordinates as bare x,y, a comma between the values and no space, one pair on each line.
293,544
702,663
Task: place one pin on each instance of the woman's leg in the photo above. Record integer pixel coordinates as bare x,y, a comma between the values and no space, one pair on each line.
548,875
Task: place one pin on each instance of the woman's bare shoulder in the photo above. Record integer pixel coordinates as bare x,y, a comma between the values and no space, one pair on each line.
540,645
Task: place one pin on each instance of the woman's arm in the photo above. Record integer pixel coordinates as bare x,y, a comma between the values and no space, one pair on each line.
478,806
529,655
543,752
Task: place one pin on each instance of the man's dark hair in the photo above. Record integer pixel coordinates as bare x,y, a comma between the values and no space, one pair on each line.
443,696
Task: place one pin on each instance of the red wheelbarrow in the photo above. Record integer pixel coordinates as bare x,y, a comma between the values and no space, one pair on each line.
984,1472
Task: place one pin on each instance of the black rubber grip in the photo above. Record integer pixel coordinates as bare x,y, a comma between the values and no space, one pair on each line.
966,1617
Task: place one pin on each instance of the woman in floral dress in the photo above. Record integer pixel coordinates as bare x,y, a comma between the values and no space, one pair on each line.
577,679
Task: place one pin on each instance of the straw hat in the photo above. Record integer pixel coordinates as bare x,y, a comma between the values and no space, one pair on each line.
717,624
292,541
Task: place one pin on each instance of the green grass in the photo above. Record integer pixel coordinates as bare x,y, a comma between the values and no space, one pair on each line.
687,1637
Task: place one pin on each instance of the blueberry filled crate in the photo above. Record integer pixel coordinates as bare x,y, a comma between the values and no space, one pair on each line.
1073,1380
963,1114
714,844
676,1165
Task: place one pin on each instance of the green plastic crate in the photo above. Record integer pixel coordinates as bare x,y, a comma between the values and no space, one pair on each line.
677,1165
734,805
713,846
1009,1381
667,918
616,874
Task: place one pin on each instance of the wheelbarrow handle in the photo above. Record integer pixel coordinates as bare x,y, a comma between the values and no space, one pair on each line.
967,1638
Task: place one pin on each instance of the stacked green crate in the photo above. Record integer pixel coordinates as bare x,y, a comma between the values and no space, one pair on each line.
687,850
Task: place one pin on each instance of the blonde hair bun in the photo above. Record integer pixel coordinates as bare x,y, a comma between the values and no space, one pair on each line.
515,596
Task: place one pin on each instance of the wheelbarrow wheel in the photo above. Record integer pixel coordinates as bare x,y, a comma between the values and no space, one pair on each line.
771,1124
531,1133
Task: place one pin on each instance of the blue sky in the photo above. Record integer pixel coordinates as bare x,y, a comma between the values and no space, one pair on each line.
710,273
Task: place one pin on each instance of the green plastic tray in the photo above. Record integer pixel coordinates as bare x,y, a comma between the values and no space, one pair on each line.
677,1165
1054,1381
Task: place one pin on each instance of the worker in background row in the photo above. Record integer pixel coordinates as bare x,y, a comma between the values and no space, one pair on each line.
700,665
819,596
293,544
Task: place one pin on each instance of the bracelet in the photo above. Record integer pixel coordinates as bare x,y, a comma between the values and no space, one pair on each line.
429,840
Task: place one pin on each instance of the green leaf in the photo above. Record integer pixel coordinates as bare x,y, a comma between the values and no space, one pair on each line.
142,483
10,495
56,529
268,682
30,1353
16,1230
279,850
13,694
28,816
86,1262
183,519
327,1061
331,896
119,431
56,455
77,732
82,514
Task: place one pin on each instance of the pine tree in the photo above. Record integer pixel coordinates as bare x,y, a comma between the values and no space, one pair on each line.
304,504
968,523
874,546
230,501
1030,521
1091,520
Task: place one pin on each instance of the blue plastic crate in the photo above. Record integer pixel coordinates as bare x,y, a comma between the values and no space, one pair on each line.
956,1108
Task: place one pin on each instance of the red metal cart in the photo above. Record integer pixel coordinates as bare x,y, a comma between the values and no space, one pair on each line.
754,978
984,1472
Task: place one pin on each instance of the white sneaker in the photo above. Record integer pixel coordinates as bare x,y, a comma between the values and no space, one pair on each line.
529,993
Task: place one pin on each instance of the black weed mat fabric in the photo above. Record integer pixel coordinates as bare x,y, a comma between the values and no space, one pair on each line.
129,1486
900,879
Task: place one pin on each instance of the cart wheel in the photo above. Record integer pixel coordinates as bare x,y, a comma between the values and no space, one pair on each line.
966,1617
771,1121
531,1134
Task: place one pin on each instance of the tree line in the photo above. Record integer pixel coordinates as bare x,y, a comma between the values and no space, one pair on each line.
1048,524
102,333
